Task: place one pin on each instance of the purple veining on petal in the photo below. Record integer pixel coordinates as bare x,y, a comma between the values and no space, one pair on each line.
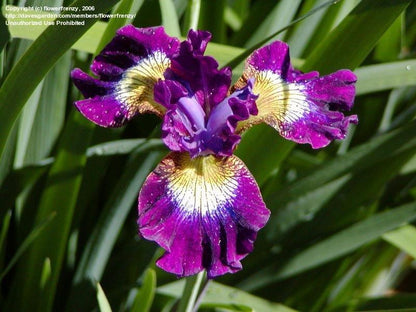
90,86
205,212
127,69
336,89
323,122
303,107
98,107
318,127
128,47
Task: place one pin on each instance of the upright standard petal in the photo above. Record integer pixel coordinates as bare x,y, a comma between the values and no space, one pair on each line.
200,118
189,127
127,70
205,212
304,108
199,73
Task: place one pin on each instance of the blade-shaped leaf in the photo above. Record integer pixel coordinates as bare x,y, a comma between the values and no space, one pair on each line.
144,298
17,181
5,224
394,303
385,76
403,238
26,123
169,18
277,18
59,195
389,46
232,19
192,15
126,146
239,59
26,243
125,7
50,113
357,159
263,138
115,212
301,34
40,57
352,40
211,18
337,245
103,237
102,300
6,161
217,293
87,43
348,201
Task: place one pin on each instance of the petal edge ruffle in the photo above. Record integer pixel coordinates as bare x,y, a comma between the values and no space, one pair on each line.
127,70
205,212
304,108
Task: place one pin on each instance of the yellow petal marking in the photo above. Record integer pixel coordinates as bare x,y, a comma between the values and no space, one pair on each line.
278,102
135,89
204,184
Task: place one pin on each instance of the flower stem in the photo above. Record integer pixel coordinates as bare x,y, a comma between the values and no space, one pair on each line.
190,292
203,290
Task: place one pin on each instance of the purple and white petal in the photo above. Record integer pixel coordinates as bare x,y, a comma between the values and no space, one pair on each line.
304,108
127,70
205,212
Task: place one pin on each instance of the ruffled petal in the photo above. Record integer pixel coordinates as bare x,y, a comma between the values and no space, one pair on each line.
200,74
200,118
187,128
220,137
205,212
304,108
184,120
198,40
127,70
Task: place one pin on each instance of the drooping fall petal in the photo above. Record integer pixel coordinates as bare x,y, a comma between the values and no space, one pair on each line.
304,108
205,212
127,70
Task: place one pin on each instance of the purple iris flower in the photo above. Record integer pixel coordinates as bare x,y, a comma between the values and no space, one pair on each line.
201,203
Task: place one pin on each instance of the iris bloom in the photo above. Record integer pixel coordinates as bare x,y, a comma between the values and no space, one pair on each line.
201,203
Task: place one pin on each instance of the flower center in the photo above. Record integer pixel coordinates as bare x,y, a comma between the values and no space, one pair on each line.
203,184
192,115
